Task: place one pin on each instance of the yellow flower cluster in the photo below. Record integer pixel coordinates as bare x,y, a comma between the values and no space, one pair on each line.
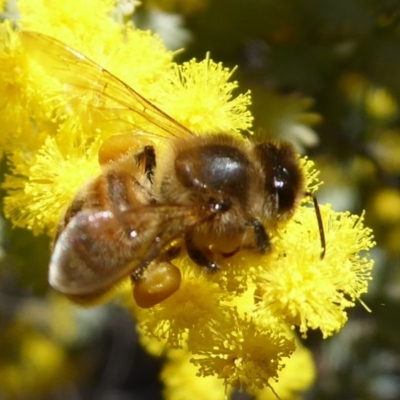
182,383
53,151
232,325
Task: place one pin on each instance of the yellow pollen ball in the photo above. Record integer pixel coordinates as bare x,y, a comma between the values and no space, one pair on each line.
159,281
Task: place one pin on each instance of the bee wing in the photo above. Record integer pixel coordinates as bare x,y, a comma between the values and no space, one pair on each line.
99,248
115,100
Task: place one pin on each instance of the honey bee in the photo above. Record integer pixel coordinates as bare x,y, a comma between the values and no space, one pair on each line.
208,195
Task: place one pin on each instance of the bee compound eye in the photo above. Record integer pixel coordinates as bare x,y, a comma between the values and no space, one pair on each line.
158,282
285,189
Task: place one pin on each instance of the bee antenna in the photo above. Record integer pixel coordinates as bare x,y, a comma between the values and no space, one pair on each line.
320,224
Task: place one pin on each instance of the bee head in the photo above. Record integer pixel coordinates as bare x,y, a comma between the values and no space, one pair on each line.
283,178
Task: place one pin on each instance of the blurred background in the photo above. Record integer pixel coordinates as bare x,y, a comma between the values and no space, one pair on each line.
324,75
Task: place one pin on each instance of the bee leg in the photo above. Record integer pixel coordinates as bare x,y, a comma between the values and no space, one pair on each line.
262,242
147,157
199,256
165,257
118,146
171,253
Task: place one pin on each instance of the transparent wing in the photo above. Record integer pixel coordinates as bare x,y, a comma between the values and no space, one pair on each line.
99,248
114,98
